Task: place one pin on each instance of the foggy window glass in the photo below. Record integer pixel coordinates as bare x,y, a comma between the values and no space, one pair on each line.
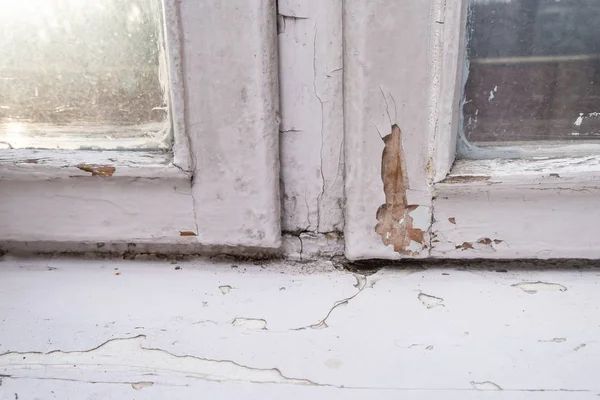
82,74
533,72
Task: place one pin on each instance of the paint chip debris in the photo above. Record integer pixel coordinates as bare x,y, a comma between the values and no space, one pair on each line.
581,346
486,385
225,289
187,233
534,287
141,385
430,301
97,170
452,220
250,323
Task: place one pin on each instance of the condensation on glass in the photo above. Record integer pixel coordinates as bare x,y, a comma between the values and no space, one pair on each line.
83,74
533,74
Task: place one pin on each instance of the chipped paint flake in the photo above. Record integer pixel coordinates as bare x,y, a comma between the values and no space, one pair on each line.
225,289
485,385
430,301
141,385
97,170
534,287
395,223
250,323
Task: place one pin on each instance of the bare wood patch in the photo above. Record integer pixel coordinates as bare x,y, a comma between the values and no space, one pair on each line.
465,246
395,225
187,233
97,170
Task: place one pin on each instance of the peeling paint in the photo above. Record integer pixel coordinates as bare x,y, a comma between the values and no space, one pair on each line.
112,355
97,170
250,323
225,289
534,287
492,93
141,385
486,385
430,301
465,246
395,224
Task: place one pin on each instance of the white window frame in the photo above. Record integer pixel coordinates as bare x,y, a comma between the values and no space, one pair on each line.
220,186
414,57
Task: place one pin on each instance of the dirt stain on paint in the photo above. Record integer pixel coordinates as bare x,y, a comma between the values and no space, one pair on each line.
395,225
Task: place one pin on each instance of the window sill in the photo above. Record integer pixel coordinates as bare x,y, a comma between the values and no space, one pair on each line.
32,165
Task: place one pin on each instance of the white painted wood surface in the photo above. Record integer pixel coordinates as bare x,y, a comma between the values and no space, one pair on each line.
312,125
387,80
96,209
114,329
448,63
543,208
231,88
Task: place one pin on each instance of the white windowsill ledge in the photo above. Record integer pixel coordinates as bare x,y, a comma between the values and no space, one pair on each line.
28,165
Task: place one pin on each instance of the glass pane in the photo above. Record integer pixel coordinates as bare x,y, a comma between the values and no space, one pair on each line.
533,72
82,74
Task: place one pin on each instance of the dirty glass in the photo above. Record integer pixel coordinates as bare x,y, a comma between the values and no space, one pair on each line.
533,72
82,74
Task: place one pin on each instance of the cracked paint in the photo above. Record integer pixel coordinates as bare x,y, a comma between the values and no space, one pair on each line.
553,340
395,224
361,284
116,354
534,287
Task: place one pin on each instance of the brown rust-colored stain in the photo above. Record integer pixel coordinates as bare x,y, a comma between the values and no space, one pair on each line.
97,170
466,179
395,225
498,241
452,220
187,233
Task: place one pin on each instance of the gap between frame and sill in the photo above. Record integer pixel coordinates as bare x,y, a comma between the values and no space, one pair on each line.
30,164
